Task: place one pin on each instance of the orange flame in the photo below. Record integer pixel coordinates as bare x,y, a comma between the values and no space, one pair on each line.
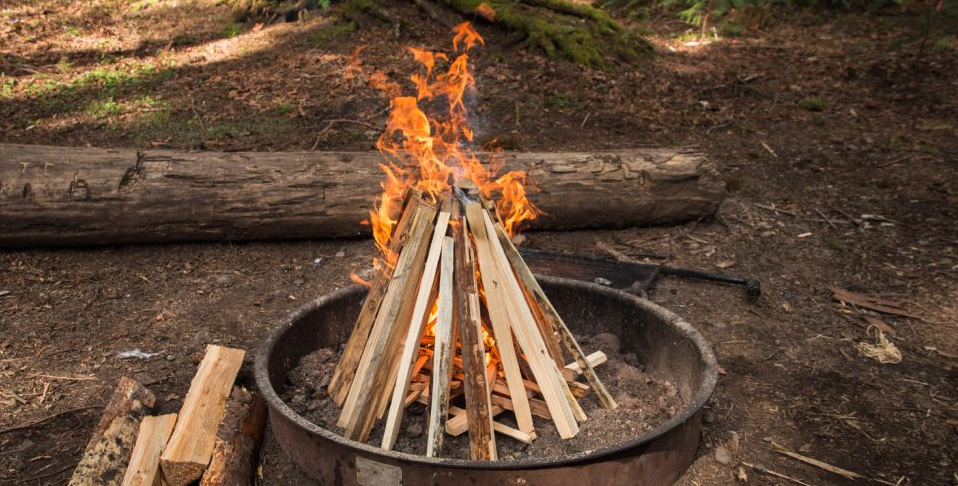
431,153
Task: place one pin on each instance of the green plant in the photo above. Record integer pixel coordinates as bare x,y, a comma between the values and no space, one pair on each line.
329,33
558,101
103,108
232,30
813,103
818,121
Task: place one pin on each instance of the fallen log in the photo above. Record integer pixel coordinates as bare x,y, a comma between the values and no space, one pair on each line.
69,196
111,444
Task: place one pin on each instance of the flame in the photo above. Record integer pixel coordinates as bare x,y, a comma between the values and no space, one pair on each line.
361,281
432,153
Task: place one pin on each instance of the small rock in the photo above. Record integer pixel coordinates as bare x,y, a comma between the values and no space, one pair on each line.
414,429
722,456
708,417
603,281
145,379
608,342
170,357
225,279
299,281
340,254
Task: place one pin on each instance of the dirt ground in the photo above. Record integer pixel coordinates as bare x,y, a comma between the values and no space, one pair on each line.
836,134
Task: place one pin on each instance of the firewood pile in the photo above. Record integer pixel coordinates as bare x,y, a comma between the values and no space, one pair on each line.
214,438
459,314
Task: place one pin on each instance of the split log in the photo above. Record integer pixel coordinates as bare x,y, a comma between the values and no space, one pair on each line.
361,405
562,405
482,440
345,370
144,468
410,350
238,439
111,445
191,447
68,196
438,407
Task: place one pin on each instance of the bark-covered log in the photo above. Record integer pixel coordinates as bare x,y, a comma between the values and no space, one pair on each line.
68,196
111,444
238,440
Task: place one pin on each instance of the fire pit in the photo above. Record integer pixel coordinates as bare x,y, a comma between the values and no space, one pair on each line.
669,348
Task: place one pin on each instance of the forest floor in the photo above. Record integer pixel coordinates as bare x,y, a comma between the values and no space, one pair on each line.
836,133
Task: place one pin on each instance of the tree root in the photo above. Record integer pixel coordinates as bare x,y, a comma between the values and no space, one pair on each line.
433,13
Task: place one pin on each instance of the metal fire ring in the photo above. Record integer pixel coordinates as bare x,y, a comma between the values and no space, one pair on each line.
669,347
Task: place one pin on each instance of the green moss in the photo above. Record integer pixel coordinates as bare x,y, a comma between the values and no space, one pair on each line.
813,103
579,32
333,31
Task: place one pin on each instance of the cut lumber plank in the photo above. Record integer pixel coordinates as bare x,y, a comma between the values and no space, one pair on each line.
240,435
482,439
410,348
190,448
70,196
111,445
144,467
554,389
362,404
346,368
442,364
536,295
499,315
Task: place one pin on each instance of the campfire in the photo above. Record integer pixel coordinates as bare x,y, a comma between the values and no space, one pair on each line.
453,310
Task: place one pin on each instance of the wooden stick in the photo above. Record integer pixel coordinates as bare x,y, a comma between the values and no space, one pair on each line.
482,440
594,359
360,407
144,468
342,379
190,449
499,316
537,407
410,350
549,312
111,444
815,462
442,364
238,440
554,389
458,423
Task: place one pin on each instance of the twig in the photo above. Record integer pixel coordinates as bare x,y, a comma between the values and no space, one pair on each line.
848,216
830,223
896,161
720,126
71,378
58,471
763,470
48,417
769,149
587,115
329,125
774,209
815,462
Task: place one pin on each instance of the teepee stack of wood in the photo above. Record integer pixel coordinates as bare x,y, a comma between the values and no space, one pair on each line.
459,314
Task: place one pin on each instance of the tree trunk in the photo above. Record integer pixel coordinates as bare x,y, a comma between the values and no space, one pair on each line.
67,196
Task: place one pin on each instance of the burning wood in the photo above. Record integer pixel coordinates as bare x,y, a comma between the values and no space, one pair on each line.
454,310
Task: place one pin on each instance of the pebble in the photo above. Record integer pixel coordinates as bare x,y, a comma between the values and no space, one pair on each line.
170,357
340,254
708,417
414,429
608,342
722,456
